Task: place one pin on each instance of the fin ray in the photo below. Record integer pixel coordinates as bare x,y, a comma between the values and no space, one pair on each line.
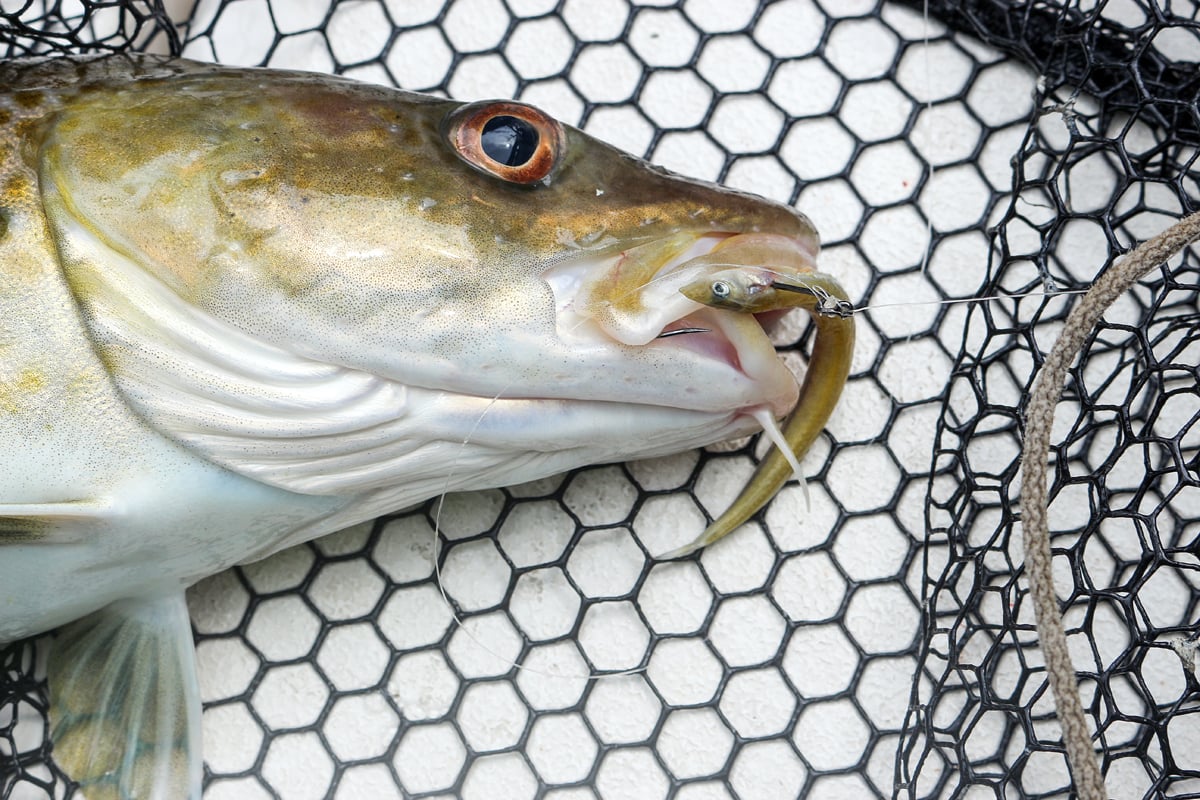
124,701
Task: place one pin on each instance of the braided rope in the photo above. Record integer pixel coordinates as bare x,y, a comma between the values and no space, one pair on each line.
1047,390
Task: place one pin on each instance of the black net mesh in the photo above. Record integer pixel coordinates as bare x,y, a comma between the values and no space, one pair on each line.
1095,173
877,643
65,28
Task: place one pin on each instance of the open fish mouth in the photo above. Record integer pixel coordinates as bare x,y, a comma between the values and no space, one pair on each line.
712,294
635,298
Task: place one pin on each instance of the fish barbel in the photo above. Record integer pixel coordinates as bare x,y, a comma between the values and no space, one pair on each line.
241,308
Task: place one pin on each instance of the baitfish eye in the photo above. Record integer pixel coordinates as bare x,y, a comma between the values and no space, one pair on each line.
721,290
511,141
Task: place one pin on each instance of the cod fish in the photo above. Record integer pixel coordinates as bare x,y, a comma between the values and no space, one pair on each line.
240,309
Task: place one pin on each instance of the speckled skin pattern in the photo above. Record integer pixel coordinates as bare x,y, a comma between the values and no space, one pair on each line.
240,309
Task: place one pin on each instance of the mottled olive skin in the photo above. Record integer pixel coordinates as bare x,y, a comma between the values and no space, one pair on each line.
240,309
209,274
257,243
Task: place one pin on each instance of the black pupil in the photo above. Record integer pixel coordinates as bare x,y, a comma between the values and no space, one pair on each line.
510,141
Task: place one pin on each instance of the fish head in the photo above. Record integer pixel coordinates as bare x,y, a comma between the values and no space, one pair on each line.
481,250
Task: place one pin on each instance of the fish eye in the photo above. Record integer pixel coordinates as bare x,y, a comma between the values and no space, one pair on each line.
721,290
511,141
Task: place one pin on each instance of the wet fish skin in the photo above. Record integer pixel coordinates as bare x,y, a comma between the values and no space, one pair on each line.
243,308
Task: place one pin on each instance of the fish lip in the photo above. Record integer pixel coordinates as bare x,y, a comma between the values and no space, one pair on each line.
748,348
737,340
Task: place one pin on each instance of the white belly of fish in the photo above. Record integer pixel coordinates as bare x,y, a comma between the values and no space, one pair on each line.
149,525
94,504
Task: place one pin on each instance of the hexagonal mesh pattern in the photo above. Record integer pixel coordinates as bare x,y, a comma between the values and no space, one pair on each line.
875,642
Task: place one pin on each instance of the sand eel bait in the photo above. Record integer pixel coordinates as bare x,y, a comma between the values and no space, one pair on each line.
758,291
240,309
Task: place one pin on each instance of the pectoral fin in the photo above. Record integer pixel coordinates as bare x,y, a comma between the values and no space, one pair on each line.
124,702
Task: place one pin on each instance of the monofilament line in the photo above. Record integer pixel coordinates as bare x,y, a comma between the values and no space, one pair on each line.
1047,389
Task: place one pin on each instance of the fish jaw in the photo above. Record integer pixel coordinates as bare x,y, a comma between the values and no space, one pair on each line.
638,295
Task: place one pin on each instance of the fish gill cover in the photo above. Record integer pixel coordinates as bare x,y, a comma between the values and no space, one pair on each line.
880,643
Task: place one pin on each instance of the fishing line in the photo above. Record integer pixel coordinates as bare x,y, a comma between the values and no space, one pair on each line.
929,109
799,280
439,504
774,437
957,300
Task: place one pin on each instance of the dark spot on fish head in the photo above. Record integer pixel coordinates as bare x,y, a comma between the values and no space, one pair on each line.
17,189
28,99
